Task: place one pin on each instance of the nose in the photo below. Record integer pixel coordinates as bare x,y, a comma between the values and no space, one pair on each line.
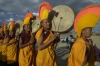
48,23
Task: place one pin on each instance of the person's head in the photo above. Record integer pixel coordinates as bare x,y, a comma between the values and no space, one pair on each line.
71,36
86,32
26,27
45,24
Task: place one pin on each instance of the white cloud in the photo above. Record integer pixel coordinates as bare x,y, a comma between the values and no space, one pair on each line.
9,13
10,19
19,6
22,6
19,15
36,14
2,14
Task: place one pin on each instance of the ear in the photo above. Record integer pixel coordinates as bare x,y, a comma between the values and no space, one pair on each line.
83,31
41,23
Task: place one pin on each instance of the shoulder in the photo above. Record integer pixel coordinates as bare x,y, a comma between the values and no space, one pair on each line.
79,43
22,35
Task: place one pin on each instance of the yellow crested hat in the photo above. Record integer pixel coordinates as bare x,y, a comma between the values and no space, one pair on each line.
87,20
27,20
11,26
5,26
28,17
44,10
29,14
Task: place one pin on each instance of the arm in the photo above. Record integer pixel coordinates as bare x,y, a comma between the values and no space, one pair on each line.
40,43
9,43
24,45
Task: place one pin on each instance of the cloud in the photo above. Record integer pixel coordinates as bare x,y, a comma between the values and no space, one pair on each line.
10,19
19,15
22,6
9,13
77,5
19,6
36,14
2,13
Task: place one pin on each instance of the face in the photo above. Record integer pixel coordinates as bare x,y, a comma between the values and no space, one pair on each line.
46,24
87,32
27,27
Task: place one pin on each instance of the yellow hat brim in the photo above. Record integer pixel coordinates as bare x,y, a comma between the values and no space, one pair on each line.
26,20
45,14
88,20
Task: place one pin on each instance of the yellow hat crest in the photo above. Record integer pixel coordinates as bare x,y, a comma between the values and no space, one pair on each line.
43,11
88,20
5,26
12,23
27,20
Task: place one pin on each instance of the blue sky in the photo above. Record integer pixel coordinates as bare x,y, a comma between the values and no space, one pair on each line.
16,9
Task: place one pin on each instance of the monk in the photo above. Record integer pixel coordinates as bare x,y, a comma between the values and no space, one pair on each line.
26,57
82,52
4,47
11,47
45,40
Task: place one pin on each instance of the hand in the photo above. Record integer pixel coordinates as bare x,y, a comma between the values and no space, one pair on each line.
30,42
53,37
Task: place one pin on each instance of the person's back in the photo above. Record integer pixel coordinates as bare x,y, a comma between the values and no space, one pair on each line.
76,56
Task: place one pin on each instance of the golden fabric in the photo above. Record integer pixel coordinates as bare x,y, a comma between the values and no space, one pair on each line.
12,52
45,57
26,55
4,51
1,49
77,54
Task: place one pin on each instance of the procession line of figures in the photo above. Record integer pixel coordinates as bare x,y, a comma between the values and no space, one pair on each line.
20,50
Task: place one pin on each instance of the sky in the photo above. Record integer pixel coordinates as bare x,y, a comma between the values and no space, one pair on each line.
16,9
